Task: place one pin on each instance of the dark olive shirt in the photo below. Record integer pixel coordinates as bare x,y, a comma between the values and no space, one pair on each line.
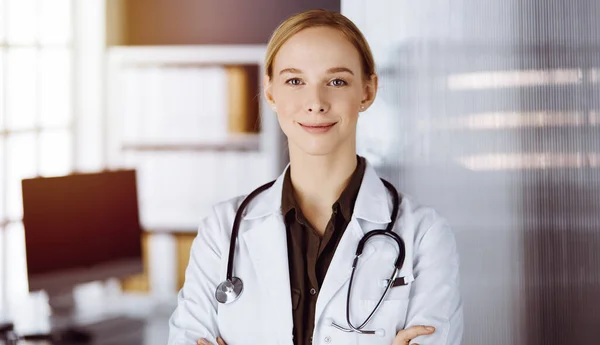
309,254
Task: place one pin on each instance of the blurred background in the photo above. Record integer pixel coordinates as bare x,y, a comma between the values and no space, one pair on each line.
123,121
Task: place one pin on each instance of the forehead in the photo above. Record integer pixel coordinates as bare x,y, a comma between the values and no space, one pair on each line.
317,48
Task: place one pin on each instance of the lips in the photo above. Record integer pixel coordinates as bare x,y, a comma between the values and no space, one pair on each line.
317,128
317,125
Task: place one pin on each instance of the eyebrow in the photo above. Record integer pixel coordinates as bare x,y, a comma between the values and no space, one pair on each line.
331,70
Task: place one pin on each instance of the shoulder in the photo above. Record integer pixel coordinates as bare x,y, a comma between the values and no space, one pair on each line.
221,215
265,200
422,221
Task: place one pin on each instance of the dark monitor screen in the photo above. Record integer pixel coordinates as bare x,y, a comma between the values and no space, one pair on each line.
81,227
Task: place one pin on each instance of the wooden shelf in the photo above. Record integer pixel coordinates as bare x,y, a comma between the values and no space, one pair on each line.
240,143
183,56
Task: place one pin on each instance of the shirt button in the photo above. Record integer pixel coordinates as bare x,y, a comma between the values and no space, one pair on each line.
327,339
313,291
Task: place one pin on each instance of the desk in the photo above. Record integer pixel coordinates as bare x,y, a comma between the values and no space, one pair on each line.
137,321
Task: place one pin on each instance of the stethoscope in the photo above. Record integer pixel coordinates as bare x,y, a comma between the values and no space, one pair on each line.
231,288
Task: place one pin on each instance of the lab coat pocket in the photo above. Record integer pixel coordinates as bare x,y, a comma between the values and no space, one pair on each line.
242,320
390,317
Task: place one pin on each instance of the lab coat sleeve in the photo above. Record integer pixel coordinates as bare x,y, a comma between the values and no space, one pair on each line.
196,314
435,297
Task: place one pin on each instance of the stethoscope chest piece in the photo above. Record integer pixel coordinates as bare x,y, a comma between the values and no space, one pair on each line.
229,290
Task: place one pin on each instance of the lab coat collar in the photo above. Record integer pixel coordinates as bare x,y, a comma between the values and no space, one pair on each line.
372,202
268,202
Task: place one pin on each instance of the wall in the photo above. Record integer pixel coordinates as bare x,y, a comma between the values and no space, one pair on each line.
184,22
494,114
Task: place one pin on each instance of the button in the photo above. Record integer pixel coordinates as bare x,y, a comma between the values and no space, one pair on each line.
327,339
310,339
313,291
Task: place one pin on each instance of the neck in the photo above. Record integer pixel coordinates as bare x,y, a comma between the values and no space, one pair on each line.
319,180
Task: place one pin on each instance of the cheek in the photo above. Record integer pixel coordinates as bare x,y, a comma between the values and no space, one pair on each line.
288,104
288,112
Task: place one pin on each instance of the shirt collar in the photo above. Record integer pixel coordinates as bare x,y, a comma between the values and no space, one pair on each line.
373,202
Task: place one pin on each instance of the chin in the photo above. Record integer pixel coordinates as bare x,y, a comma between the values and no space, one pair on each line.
318,148
322,145
317,151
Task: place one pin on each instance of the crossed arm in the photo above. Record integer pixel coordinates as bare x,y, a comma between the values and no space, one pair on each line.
402,338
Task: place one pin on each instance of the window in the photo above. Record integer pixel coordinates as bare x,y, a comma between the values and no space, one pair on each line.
37,130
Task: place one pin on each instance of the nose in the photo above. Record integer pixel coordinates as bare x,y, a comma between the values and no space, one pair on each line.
316,107
317,103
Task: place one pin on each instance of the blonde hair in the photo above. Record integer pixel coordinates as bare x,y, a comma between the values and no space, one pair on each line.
317,18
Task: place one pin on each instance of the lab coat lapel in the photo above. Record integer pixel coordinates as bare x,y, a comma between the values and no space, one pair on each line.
373,208
267,247
340,269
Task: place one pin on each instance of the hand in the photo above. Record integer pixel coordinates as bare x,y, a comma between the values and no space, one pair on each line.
406,335
220,341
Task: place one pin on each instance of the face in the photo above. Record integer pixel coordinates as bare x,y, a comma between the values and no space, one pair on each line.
318,88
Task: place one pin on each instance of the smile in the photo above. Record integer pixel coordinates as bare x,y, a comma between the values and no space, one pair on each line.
317,128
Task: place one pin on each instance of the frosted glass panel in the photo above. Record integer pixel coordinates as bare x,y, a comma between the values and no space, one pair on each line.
20,164
56,152
2,268
2,78
21,71
2,29
488,111
21,19
55,21
56,96
2,169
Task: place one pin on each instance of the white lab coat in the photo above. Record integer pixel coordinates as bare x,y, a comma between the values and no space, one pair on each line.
263,313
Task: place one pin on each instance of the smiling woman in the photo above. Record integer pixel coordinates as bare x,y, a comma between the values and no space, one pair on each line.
291,249
330,85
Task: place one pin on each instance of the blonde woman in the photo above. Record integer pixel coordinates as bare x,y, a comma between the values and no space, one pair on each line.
279,266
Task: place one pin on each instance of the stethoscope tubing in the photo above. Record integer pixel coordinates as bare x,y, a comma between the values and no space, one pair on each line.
236,225
387,232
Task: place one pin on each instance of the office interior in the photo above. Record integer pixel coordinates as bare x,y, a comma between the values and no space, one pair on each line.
123,121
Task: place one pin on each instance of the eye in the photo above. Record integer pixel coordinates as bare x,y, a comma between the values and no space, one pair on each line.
293,81
338,82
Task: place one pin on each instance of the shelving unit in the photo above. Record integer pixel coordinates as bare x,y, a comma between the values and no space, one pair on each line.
233,143
183,170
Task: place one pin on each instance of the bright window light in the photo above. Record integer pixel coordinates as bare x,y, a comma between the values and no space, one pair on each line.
55,152
513,79
503,120
519,161
20,163
55,22
55,91
21,88
21,20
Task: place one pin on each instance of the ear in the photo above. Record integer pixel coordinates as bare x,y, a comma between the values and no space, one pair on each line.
268,93
369,91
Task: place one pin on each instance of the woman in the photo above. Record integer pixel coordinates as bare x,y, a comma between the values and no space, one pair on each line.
297,238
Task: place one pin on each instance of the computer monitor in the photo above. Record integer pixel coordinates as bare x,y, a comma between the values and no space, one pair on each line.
81,228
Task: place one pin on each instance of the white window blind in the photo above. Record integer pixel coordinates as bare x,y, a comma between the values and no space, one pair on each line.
36,117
